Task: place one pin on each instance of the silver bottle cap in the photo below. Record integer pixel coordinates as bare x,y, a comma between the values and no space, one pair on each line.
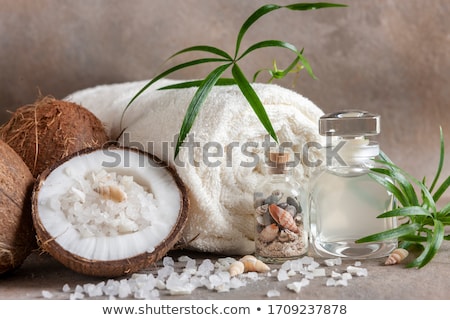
349,123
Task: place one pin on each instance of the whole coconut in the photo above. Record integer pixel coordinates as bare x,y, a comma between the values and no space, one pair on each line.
17,236
49,130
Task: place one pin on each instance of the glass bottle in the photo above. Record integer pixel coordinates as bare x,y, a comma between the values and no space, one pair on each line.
344,200
280,232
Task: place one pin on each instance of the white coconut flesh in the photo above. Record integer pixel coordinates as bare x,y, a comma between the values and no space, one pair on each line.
75,209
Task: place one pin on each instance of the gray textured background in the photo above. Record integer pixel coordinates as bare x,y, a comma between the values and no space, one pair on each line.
386,56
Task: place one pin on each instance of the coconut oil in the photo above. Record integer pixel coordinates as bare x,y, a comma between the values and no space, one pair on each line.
344,200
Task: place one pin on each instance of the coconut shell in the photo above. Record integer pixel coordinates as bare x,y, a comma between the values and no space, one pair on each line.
110,268
49,130
17,236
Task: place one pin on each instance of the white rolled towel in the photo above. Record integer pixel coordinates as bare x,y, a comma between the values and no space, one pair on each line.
223,161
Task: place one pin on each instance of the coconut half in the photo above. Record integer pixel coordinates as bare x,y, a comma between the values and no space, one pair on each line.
109,211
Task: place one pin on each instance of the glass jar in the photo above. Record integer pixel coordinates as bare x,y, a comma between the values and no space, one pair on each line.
344,200
280,223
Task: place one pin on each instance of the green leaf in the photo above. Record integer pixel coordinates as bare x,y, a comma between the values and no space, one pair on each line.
313,6
169,71
197,83
280,44
271,7
251,20
431,247
197,101
441,161
403,230
254,100
208,49
406,212
388,185
396,171
440,191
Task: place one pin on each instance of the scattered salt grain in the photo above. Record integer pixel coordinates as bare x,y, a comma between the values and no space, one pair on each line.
360,272
330,282
47,294
273,293
333,262
319,272
168,261
298,285
205,268
282,275
66,288
210,276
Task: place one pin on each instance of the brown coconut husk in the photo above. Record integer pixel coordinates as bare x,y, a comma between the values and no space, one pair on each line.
49,130
17,235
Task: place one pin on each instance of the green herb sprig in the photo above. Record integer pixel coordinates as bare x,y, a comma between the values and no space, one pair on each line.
425,223
228,61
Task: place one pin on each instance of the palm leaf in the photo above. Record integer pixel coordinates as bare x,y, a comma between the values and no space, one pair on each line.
280,44
432,246
271,7
441,161
253,99
197,83
403,230
197,101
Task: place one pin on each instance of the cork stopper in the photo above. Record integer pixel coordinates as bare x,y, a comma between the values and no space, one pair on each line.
279,158
278,162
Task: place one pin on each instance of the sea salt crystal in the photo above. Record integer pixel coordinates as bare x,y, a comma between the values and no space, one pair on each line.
297,265
282,275
330,282
335,274
66,288
179,284
47,294
333,262
76,296
319,272
357,264
286,265
360,272
168,261
124,289
252,275
205,268
111,288
341,282
346,276
273,293
296,286
165,272
313,265
235,283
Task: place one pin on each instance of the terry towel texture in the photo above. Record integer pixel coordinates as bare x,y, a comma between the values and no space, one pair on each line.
223,160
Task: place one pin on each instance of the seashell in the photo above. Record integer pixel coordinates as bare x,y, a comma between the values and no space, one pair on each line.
396,256
274,197
283,237
261,210
283,218
293,202
251,264
269,233
298,219
111,193
237,267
